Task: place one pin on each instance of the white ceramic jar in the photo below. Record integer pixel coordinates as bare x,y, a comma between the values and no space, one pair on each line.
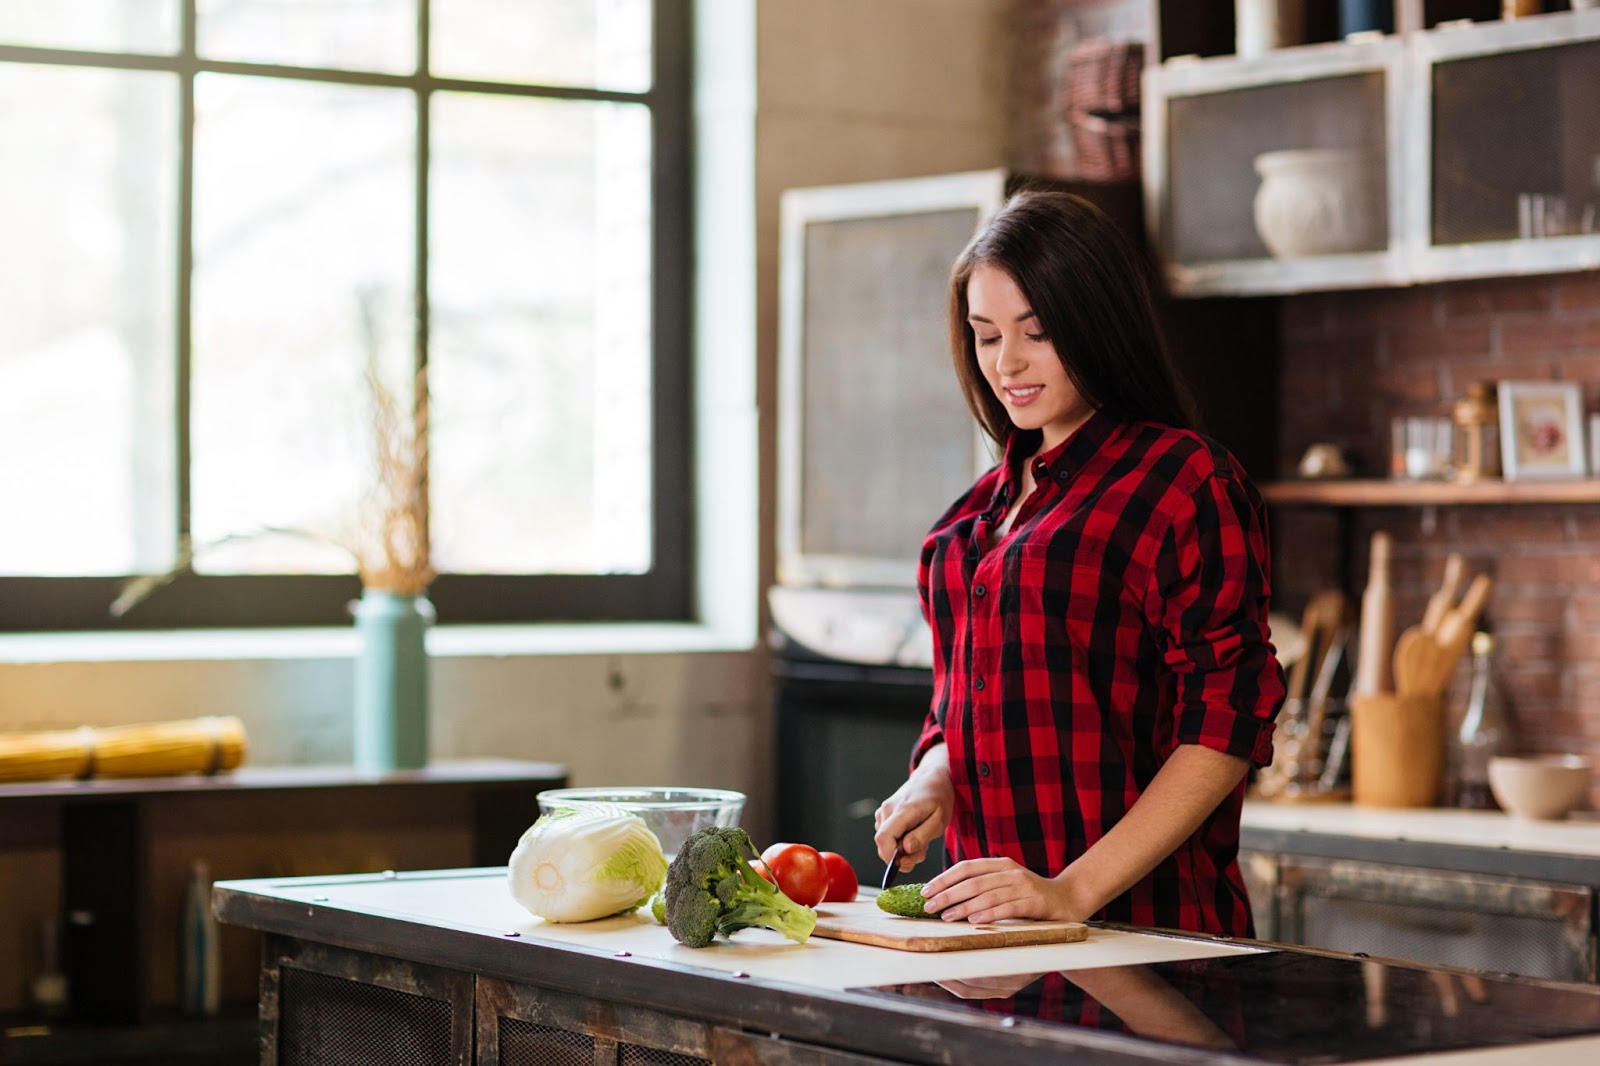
1317,201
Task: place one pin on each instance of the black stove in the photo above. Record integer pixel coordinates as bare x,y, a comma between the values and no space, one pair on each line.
1283,1006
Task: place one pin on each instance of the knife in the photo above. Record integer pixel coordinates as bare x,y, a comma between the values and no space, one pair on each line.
892,871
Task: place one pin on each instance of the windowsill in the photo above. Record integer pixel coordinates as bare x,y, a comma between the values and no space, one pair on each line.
468,641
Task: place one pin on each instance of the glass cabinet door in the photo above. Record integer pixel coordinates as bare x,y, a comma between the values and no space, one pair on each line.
1509,118
1278,174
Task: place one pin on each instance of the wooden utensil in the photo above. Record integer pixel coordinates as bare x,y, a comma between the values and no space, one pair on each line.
1439,603
1456,629
1326,615
1457,625
1300,671
861,922
1333,613
1421,667
1376,638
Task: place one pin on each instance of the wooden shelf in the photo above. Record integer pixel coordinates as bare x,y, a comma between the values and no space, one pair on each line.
1379,493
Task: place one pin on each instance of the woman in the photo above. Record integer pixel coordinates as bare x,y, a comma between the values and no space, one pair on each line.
1103,676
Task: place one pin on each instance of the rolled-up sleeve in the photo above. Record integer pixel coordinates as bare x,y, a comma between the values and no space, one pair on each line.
1208,599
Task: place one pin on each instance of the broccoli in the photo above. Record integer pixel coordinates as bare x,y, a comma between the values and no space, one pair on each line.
658,907
711,889
904,900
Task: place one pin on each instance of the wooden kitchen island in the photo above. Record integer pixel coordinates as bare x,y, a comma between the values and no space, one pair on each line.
443,967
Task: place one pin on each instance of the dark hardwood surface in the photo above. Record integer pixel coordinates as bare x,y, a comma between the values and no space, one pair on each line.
267,778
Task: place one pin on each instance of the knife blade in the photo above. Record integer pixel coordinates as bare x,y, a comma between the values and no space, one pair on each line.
892,871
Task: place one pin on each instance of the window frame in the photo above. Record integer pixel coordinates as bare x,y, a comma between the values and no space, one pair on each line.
664,593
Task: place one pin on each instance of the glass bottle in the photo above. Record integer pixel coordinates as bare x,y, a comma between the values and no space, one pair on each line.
1485,729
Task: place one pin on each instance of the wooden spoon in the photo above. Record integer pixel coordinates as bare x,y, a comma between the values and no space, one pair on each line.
1421,665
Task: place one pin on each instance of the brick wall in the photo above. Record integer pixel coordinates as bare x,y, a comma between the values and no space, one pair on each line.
1351,361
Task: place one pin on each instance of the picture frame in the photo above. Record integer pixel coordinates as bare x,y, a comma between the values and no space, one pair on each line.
1541,430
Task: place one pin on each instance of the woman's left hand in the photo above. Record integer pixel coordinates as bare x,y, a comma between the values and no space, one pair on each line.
987,890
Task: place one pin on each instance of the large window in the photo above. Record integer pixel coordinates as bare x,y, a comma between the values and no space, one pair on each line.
221,216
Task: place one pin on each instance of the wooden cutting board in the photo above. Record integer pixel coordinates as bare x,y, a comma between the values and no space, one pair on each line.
861,922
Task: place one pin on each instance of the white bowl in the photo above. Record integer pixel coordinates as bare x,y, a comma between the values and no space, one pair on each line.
1539,786
673,814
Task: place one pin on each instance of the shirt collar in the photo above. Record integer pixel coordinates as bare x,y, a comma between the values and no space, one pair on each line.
1066,458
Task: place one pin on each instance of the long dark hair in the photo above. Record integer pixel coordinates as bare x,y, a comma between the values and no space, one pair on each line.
1093,299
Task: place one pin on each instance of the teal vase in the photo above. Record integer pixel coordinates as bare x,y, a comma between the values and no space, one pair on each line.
391,682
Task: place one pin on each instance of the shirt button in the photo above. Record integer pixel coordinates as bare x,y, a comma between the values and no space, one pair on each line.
983,769
979,591
978,684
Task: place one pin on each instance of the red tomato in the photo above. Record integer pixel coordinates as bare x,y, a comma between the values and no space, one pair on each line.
842,883
800,872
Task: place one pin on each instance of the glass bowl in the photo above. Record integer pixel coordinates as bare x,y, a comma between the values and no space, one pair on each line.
673,814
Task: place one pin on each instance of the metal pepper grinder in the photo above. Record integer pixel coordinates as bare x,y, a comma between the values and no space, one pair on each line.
1477,420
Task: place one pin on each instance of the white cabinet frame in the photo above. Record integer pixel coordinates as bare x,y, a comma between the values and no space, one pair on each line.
1407,61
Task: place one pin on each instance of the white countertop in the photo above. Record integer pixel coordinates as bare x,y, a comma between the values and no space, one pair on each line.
484,903
477,902
1436,825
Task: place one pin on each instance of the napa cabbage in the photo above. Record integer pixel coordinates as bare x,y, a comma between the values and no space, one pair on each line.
586,861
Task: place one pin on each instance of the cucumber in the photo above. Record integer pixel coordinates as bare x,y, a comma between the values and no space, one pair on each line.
904,900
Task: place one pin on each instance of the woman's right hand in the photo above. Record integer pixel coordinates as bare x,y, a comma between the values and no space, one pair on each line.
916,815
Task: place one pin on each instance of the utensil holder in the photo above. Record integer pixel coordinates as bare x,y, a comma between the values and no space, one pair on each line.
1397,749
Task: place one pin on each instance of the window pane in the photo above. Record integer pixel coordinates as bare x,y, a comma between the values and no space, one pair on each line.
378,35
603,44
304,234
86,296
540,354
92,25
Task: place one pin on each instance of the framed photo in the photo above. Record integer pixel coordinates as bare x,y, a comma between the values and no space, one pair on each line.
1541,430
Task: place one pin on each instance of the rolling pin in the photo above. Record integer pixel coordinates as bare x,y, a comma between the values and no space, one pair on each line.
1374,672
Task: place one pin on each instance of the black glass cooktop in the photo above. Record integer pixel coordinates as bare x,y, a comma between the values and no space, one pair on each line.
1282,1006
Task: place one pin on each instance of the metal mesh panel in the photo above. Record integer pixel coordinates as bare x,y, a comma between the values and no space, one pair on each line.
877,381
526,1044
636,1055
1427,933
1214,140
329,1021
1515,126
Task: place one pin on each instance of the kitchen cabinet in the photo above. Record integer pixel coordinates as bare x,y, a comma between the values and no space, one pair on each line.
1454,149
124,847
1474,889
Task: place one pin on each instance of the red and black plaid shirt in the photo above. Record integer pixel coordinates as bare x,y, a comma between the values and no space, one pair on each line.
1123,614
